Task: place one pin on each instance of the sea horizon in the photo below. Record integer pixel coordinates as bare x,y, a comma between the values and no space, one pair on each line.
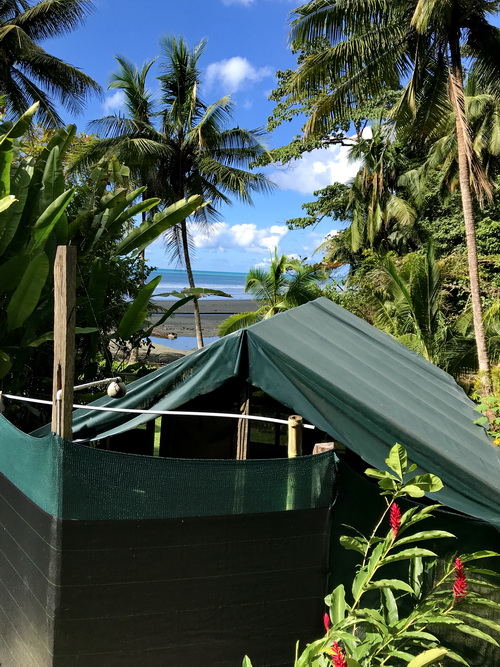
230,282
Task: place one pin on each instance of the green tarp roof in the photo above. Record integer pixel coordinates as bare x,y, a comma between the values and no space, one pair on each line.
349,379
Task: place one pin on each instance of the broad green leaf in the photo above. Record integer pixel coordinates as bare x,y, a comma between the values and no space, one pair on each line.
136,313
423,535
146,233
401,654
474,632
353,544
19,127
5,363
407,553
397,584
479,619
416,575
398,460
429,657
25,298
389,606
246,662
379,474
52,180
49,218
428,483
10,219
466,558
413,490
98,285
457,658
417,634
338,605
6,202
352,663
12,271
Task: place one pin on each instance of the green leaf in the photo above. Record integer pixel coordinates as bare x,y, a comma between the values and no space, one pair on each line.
416,574
353,544
398,460
27,294
428,483
474,632
12,271
413,491
246,662
429,657
389,606
5,363
146,233
36,342
466,558
136,313
424,535
19,127
416,634
49,218
379,474
338,605
397,584
407,553
479,619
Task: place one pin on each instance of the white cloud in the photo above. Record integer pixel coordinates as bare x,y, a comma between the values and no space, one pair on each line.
245,236
316,170
114,102
234,73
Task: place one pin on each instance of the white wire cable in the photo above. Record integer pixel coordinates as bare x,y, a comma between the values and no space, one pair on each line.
159,412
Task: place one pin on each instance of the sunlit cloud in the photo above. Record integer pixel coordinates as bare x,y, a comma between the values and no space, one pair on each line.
316,170
235,73
114,102
245,236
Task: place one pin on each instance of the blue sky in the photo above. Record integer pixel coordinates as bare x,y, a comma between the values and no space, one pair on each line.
247,44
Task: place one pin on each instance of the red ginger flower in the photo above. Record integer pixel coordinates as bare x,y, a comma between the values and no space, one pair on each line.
395,519
326,621
460,585
338,656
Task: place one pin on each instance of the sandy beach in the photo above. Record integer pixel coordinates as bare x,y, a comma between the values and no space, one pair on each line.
213,313
182,323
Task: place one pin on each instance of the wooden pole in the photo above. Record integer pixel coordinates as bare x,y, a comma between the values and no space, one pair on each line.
64,340
294,436
243,426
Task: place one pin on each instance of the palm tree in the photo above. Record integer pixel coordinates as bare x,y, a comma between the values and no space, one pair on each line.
29,74
377,44
379,216
185,148
287,283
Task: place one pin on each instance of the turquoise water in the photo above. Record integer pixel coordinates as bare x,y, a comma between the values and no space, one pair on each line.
175,280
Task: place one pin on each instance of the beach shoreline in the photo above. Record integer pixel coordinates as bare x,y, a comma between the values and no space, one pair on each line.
213,313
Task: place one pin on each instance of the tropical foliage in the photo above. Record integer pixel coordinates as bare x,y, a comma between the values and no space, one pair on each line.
384,620
38,211
29,74
183,147
285,284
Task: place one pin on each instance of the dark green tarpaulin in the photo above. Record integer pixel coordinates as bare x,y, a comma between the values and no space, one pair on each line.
347,378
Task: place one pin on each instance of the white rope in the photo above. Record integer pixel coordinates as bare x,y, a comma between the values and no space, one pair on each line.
160,412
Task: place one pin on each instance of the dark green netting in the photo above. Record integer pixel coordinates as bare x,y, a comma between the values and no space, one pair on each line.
72,481
349,379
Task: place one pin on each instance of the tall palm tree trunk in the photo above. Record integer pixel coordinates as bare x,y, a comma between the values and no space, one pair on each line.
458,103
189,271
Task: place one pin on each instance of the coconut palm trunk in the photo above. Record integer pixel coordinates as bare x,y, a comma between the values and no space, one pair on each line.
189,271
457,100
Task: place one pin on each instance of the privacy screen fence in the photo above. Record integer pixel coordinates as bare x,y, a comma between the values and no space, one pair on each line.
110,559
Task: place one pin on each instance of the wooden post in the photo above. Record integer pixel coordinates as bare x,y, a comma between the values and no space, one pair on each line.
243,426
64,340
294,450
294,436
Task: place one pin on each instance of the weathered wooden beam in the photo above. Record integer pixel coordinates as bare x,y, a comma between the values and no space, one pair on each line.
294,436
243,426
64,340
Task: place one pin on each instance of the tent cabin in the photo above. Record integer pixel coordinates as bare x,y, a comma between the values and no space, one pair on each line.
195,557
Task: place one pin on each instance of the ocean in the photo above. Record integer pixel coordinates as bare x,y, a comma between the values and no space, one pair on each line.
175,280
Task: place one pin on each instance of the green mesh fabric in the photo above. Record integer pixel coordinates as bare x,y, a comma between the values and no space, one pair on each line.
108,485
72,481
